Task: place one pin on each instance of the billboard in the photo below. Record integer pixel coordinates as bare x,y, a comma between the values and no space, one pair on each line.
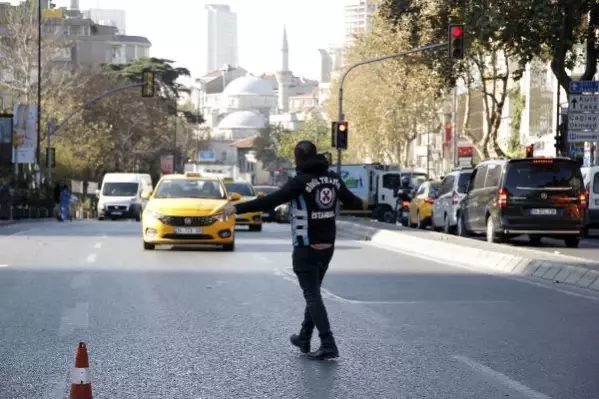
6,139
167,165
24,133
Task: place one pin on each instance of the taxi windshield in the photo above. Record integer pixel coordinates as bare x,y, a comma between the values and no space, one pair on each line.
190,188
243,189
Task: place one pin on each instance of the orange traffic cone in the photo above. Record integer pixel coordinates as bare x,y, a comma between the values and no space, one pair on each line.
81,386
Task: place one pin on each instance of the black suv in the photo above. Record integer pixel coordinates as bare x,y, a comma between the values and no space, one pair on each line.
540,197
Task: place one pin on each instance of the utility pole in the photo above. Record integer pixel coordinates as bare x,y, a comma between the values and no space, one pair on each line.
49,153
340,115
39,85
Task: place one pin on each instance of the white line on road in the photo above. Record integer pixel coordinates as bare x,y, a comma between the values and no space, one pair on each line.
501,378
91,258
521,279
77,317
3,265
98,245
261,258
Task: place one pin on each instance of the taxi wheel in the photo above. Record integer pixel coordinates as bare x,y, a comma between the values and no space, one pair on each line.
149,246
229,247
255,227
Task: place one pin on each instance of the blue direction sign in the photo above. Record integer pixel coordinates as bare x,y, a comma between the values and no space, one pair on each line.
584,86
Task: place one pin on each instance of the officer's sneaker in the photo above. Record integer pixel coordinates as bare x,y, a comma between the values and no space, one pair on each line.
301,342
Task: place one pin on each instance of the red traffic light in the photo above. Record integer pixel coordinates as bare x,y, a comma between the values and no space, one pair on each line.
342,126
456,32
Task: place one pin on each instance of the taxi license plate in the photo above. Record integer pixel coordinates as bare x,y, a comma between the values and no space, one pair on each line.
543,212
188,230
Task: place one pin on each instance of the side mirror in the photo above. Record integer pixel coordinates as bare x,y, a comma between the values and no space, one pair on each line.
146,195
97,193
260,194
234,197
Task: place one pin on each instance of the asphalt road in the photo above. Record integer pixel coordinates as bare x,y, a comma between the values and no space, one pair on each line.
207,324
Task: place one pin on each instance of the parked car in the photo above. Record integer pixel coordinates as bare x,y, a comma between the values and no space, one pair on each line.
270,215
421,207
452,190
538,197
590,175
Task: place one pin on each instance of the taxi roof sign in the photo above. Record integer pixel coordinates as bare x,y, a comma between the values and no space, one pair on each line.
193,174
228,179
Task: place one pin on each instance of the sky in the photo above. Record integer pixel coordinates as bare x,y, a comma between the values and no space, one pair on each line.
174,29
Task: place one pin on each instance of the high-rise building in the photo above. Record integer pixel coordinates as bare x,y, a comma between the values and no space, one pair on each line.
116,18
221,37
357,14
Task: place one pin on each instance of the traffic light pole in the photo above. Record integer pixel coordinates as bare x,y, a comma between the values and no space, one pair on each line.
340,115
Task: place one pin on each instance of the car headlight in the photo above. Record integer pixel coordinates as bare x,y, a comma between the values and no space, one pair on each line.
101,206
153,215
220,218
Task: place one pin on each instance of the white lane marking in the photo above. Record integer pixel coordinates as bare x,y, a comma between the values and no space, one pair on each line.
261,258
81,281
91,258
77,317
289,276
496,273
3,265
501,378
98,245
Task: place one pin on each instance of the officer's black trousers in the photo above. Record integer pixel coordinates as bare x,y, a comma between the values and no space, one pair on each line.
310,266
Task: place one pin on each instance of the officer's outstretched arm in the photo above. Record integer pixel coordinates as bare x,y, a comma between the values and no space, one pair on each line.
291,190
349,199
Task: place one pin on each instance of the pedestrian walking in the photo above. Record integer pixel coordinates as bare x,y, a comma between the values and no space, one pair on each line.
64,203
314,194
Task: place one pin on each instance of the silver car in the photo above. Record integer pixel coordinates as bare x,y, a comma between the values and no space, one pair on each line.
452,190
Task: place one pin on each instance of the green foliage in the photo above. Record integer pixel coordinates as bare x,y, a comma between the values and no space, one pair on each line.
313,129
166,73
266,144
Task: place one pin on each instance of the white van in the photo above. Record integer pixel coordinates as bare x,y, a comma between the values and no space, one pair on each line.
120,196
590,175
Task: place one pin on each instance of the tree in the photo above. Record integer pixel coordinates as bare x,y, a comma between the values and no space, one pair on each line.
266,145
500,44
387,103
313,128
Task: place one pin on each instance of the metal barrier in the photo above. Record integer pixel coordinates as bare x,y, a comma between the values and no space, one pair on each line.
10,210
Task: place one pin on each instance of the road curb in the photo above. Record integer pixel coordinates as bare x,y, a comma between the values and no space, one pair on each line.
562,269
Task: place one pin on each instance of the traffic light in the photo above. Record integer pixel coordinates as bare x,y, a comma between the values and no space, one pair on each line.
457,47
342,130
147,80
530,149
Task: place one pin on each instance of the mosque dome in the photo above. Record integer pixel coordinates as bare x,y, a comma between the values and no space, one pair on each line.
243,120
249,85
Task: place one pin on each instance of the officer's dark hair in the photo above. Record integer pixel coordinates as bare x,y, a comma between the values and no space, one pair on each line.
304,150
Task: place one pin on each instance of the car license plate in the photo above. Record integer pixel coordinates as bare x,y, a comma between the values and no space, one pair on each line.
117,213
543,212
188,230
404,214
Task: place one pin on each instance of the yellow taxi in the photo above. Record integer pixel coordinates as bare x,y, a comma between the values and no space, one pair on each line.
184,210
421,206
246,192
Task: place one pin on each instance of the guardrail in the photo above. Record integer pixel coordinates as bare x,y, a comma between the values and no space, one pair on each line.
10,210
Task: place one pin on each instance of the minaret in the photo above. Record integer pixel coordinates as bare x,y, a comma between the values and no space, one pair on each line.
284,76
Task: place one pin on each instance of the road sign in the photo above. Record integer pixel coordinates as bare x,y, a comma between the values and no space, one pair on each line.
578,122
581,137
584,86
580,103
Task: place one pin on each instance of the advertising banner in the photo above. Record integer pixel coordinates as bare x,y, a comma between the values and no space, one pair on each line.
24,133
6,139
167,165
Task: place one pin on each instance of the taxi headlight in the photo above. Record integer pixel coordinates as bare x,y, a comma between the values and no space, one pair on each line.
220,218
151,215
